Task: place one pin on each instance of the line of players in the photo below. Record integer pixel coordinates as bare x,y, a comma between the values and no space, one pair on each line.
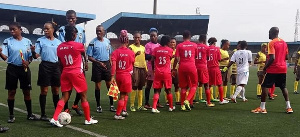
198,64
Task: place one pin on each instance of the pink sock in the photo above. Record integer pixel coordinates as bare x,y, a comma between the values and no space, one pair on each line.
221,92
120,107
125,103
59,107
191,95
170,100
155,99
207,93
183,95
86,109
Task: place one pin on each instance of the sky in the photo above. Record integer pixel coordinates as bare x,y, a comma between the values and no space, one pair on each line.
234,20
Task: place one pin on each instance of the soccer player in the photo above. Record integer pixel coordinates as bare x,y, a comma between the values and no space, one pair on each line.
149,47
49,72
98,52
275,70
215,77
70,58
201,64
80,37
175,82
297,72
233,75
223,63
122,66
242,58
139,72
16,52
260,60
161,60
187,71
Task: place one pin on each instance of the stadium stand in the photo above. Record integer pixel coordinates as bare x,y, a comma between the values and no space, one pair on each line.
32,19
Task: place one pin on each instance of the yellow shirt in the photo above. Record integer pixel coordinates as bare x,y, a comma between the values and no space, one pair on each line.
224,54
261,57
172,60
233,67
298,64
140,61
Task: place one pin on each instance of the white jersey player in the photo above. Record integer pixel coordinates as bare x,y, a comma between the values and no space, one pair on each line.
242,58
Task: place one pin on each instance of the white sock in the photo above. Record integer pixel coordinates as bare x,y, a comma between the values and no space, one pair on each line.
262,105
243,93
288,104
237,91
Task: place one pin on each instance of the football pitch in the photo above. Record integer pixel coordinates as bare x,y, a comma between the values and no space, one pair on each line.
222,120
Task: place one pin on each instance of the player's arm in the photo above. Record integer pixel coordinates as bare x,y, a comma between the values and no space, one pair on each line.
271,52
83,54
60,65
113,67
232,60
152,62
4,57
256,59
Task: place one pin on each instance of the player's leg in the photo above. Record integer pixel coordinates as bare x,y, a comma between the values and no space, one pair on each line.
220,86
271,92
200,91
141,83
60,105
25,85
11,105
233,84
120,106
193,78
207,94
268,82
86,109
225,81
155,99
260,80
97,96
135,81
55,95
147,94
297,80
11,86
42,100
281,83
111,100
176,87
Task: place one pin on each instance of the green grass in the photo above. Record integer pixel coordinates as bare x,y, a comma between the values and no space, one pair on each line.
227,120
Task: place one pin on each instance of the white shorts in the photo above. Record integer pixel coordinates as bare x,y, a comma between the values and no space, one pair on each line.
242,78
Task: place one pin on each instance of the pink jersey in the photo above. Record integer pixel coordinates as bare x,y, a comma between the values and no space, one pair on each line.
149,47
214,56
186,51
201,56
69,54
163,56
124,59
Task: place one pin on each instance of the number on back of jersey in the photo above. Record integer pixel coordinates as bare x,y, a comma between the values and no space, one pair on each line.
162,60
122,64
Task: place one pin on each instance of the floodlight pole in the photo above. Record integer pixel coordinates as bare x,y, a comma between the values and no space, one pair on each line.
15,18
155,7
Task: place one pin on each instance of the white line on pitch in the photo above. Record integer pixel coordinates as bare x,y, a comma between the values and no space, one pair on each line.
68,126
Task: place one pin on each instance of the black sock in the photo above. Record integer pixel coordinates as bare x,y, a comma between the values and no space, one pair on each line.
55,99
28,106
97,96
66,105
11,104
147,94
42,104
77,99
111,100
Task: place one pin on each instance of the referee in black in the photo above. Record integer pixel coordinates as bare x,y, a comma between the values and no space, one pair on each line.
16,51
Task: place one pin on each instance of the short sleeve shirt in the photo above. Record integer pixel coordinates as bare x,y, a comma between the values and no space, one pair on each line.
47,49
163,56
99,50
124,59
279,49
13,49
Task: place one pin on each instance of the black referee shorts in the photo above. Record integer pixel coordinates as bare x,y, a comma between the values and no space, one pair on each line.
49,74
15,73
99,73
272,78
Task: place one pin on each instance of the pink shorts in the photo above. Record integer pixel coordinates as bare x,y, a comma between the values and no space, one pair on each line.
124,82
70,80
203,76
162,79
215,76
187,78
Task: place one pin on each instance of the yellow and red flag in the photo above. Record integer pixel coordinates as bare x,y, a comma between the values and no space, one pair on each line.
113,91
22,57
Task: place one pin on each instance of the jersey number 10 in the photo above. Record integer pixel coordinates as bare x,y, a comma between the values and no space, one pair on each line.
69,59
